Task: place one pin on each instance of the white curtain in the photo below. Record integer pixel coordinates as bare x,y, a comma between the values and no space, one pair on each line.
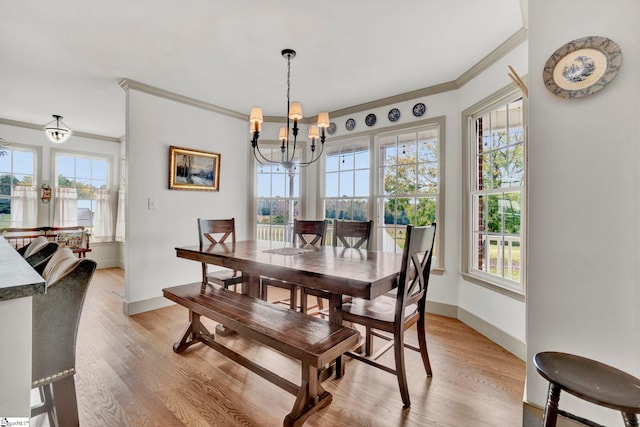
103,219
24,206
66,207
120,225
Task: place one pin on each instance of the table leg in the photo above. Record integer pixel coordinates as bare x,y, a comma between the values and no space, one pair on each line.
335,316
551,408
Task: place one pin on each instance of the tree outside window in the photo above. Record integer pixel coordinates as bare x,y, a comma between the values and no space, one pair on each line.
409,180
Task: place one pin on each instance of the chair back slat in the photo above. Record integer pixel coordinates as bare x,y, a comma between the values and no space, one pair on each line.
309,232
416,266
352,234
214,231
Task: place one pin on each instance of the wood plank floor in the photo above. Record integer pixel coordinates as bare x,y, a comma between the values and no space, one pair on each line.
128,375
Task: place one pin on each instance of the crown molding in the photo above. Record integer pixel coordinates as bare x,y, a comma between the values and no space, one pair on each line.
74,133
128,84
498,53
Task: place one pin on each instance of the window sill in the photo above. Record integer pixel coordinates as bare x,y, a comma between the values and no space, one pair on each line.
512,293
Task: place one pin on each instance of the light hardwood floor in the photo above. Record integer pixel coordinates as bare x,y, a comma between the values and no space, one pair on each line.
128,375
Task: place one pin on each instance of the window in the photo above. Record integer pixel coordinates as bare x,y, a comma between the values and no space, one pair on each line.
17,180
408,184
81,182
495,155
278,199
346,184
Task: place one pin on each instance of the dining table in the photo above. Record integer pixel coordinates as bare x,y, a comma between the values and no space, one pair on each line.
337,270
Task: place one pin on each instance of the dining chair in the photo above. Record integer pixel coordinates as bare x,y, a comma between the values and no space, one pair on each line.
348,234
38,250
55,322
305,232
214,232
398,310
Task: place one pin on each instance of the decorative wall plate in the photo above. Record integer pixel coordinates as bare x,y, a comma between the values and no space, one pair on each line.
370,120
394,114
582,67
351,124
332,128
419,109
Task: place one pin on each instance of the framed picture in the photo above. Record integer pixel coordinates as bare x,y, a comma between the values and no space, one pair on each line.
191,169
582,67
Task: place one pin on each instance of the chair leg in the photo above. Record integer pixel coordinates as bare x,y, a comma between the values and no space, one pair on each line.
368,341
630,419
64,402
551,408
422,342
303,301
398,348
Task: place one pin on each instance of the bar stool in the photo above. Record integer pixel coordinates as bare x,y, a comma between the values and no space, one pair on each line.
592,381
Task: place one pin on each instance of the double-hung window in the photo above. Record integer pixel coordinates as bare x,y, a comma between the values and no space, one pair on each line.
409,185
278,198
18,195
495,194
83,192
346,187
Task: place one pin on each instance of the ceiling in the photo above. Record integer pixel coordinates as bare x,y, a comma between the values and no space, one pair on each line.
67,57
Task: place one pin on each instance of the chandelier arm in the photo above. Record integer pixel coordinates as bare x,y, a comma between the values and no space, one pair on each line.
264,160
314,157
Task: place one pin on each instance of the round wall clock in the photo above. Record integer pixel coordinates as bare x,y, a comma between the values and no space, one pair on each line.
582,67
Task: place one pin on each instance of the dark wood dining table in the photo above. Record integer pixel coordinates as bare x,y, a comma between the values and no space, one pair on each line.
339,271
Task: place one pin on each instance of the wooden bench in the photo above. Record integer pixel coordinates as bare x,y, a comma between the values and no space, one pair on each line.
75,238
313,341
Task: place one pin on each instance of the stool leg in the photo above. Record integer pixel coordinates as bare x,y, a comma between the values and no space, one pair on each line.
551,409
630,420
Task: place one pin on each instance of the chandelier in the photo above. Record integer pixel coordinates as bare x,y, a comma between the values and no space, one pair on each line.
294,114
56,130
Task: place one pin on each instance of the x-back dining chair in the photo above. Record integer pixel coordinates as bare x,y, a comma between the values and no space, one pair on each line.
348,234
398,310
213,232
305,232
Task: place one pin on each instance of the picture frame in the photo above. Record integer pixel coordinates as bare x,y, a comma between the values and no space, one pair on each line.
192,169
582,67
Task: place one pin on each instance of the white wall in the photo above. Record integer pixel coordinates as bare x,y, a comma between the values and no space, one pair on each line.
584,201
154,124
500,312
105,254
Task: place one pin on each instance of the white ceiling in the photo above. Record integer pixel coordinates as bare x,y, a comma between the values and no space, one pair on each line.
67,56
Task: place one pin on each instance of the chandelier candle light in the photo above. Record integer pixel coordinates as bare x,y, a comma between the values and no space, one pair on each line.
57,131
294,113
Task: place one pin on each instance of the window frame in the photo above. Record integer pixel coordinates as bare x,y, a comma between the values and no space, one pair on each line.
254,165
492,102
339,144
37,159
55,153
374,168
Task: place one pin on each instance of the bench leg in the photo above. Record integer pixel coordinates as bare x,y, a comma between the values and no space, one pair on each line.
190,334
311,398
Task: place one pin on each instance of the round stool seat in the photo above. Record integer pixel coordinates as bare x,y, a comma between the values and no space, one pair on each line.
590,380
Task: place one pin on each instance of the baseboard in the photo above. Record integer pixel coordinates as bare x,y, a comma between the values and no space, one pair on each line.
532,417
112,263
136,307
442,309
504,340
